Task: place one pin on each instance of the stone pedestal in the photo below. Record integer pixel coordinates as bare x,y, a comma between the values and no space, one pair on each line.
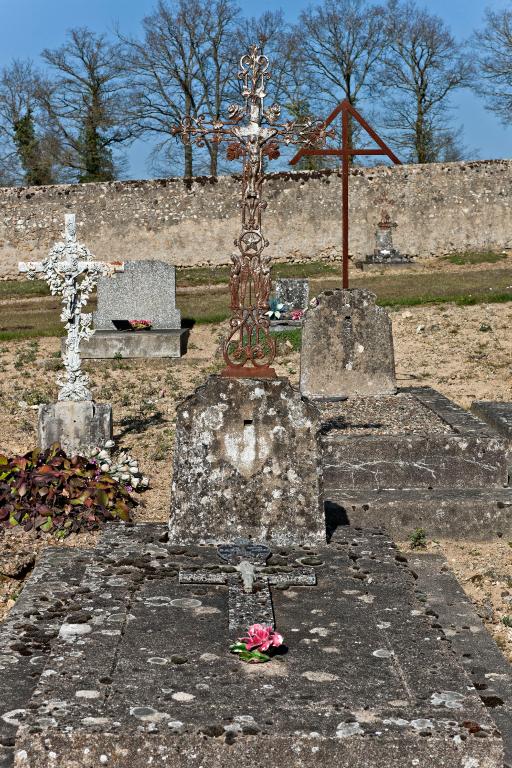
148,344
246,465
78,427
347,347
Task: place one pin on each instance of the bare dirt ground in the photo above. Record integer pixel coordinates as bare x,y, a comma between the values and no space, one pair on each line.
465,352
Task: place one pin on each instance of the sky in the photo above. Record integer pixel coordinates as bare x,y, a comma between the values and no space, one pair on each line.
28,26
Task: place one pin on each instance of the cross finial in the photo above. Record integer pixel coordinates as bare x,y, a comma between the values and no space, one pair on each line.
70,228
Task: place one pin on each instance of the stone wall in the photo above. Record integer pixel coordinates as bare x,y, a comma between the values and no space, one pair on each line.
439,208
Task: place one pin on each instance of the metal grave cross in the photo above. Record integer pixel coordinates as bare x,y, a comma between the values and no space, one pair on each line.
346,152
249,580
70,270
249,349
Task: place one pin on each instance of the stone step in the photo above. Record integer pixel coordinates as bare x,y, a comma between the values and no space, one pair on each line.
370,445
479,513
489,670
406,461
26,634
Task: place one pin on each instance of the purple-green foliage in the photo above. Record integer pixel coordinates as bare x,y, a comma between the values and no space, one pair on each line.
50,492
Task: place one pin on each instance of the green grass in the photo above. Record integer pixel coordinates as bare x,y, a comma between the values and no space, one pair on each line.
32,333
463,301
193,276
471,257
294,336
27,318
10,289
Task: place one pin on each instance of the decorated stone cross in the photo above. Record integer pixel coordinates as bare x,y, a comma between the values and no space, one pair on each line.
249,580
70,270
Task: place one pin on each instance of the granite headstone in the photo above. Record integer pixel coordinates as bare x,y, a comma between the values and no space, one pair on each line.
145,290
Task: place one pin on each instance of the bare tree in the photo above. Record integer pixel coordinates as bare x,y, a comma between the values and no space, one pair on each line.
493,46
215,64
86,104
179,68
342,42
423,66
27,146
163,76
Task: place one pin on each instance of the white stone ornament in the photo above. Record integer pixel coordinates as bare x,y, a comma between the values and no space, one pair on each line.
70,270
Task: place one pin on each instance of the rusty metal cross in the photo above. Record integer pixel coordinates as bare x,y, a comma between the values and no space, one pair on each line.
346,152
249,349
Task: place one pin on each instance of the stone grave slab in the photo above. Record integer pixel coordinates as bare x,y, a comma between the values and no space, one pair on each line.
26,634
499,417
367,678
411,460
246,464
486,665
347,347
145,290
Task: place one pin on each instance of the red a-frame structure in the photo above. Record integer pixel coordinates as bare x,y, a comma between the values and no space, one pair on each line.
346,152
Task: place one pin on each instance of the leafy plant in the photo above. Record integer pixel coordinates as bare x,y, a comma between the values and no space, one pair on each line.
50,492
418,539
507,621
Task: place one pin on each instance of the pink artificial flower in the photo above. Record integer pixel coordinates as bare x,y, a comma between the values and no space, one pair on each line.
297,314
262,638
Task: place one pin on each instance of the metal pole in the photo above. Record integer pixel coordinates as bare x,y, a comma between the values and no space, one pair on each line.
345,159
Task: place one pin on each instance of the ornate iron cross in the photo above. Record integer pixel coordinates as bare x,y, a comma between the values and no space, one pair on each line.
70,270
346,152
249,580
249,348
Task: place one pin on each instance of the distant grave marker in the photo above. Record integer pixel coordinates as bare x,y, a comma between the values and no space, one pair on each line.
385,254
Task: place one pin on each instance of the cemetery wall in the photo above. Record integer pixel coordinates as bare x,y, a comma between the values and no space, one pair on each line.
439,208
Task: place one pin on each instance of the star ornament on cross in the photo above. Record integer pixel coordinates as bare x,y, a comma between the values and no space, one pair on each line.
253,135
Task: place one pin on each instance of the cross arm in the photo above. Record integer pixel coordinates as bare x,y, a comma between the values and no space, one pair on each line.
30,266
198,129
203,577
299,577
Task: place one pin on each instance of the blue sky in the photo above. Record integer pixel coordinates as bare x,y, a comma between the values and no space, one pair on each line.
28,26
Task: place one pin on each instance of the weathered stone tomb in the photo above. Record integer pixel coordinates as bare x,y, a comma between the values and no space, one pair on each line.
245,463
368,676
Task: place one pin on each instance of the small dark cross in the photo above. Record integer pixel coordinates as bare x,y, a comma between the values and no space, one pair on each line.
347,152
249,580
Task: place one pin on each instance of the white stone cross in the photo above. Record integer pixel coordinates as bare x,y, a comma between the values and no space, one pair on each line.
70,270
